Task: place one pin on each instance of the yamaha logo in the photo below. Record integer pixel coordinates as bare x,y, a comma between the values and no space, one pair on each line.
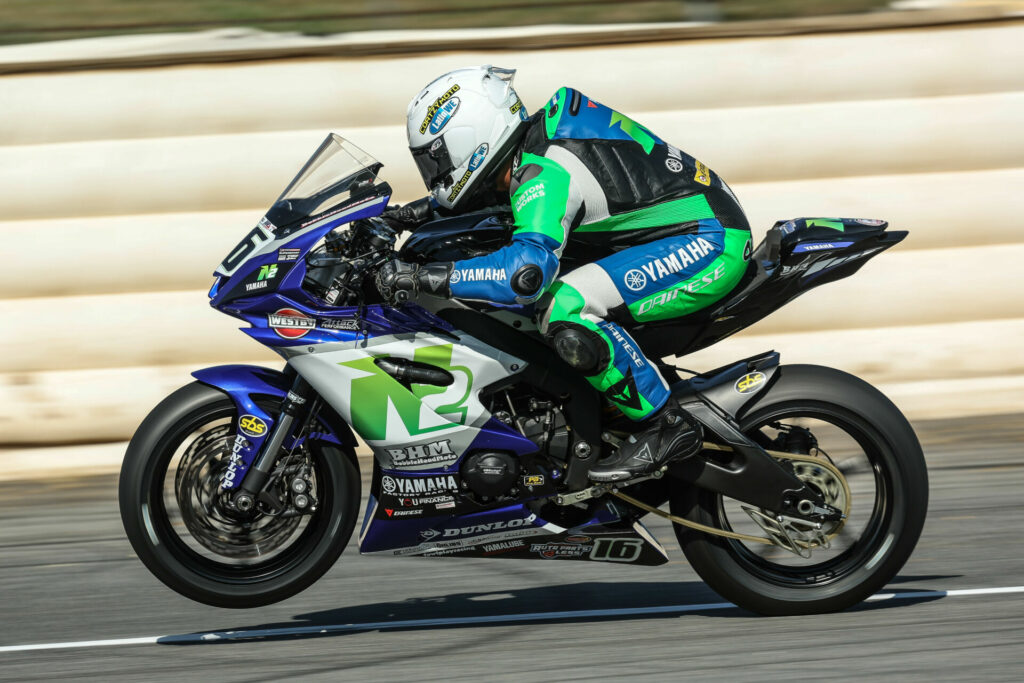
673,165
388,484
635,279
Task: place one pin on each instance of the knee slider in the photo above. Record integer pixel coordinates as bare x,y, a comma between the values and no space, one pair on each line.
580,348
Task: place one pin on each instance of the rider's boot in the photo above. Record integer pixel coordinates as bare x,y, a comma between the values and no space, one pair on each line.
669,434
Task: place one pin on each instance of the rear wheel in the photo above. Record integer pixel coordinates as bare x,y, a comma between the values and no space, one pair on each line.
829,415
185,530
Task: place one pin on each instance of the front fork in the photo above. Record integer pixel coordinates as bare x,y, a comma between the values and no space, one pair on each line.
256,478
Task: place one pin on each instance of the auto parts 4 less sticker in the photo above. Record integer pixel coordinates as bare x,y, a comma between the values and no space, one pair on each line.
372,394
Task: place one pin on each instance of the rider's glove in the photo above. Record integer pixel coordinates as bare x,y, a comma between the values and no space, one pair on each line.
398,281
409,216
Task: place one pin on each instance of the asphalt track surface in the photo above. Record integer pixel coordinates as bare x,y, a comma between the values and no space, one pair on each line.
67,574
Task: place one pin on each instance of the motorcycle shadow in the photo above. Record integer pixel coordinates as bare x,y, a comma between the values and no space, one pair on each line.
586,602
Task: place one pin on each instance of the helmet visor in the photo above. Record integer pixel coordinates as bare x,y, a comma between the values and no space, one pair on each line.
433,161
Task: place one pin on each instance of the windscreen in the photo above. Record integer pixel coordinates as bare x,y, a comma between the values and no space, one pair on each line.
338,177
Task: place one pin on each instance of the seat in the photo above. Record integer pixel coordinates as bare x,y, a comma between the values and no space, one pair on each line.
800,230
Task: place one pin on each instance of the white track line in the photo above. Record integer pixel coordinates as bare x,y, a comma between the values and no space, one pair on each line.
220,636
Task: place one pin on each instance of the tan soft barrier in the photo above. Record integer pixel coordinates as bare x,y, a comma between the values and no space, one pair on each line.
345,93
751,144
178,251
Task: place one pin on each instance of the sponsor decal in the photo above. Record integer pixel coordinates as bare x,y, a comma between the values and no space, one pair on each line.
689,287
457,187
234,463
870,221
403,513
687,255
516,107
635,279
254,286
338,323
501,547
445,506
533,480
263,278
489,526
428,534
266,224
553,550
616,549
478,275
436,106
288,254
748,250
380,396
444,115
529,194
703,175
349,208
627,345
674,162
405,485
422,454
332,295
290,324
750,382
478,157
645,454
819,246
250,425
412,502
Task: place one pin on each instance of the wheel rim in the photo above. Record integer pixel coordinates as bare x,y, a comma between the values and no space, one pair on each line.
869,466
184,515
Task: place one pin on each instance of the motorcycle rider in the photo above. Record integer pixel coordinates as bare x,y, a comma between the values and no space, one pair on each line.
669,235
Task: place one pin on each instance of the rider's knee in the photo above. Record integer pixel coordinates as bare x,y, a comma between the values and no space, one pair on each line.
581,348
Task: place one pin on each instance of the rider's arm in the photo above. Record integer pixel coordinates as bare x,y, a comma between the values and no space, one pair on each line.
544,211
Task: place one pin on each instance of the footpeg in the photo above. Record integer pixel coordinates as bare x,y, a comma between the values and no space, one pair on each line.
599,490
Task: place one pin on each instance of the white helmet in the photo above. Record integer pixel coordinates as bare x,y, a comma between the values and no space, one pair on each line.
461,128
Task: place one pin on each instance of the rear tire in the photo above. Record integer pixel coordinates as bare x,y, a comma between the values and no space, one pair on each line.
223,581
891,529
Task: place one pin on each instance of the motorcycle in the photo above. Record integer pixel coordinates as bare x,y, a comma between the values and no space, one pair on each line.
242,488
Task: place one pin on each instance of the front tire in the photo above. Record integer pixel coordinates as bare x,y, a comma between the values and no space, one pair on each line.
213,560
891,491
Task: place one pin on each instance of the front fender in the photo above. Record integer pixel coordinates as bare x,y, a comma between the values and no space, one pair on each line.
246,383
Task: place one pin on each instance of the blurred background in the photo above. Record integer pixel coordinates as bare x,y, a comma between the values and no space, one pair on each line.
138,141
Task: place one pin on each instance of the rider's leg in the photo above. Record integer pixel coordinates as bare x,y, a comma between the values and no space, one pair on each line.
667,278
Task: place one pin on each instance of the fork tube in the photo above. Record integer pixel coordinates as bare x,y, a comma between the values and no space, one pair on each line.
291,406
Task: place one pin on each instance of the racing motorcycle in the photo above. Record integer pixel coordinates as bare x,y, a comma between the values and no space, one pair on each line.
243,487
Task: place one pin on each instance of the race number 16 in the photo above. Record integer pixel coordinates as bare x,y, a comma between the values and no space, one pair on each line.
616,549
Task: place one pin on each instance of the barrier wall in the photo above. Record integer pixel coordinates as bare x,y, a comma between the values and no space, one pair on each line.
123,190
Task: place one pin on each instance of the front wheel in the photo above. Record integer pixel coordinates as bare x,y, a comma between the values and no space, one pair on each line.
831,415
181,529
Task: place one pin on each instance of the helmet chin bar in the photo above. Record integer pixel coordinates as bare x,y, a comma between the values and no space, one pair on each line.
483,190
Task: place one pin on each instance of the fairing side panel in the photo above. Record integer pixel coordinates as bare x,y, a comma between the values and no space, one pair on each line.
417,428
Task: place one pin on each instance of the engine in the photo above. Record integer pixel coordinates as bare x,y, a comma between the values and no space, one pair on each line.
490,474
